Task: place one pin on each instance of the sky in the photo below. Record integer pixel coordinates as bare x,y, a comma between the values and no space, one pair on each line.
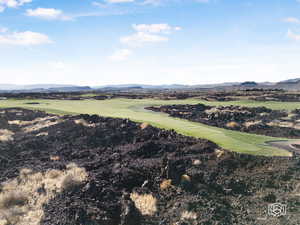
101,42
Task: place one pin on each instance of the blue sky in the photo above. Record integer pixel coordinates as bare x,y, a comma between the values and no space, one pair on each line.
148,41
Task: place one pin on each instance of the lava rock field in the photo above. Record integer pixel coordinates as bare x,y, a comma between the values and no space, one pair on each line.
91,170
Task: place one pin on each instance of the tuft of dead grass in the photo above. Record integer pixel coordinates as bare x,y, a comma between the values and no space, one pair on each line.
54,158
144,126
188,215
21,202
219,153
37,124
145,203
232,124
37,120
252,123
196,162
85,123
165,184
42,134
6,135
186,178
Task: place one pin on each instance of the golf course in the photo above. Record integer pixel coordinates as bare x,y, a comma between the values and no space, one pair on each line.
135,110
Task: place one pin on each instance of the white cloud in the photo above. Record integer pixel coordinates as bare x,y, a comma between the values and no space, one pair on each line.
26,38
293,35
140,38
120,55
154,28
47,13
145,33
119,1
202,1
3,29
292,20
161,2
58,65
148,33
99,4
152,2
12,4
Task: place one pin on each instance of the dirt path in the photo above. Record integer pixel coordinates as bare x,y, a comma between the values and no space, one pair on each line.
291,146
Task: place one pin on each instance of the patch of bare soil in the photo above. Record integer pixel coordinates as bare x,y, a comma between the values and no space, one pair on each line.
113,171
259,120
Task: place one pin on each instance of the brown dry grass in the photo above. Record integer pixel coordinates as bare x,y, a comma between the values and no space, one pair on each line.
6,135
37,124
37,120
186,178
165,184
84,123
196,162
219,153
188,215
145,203
232,124
54,158
251,123
21,202
144,125
42,134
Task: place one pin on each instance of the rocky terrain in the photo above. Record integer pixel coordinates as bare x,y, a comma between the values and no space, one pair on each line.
90,170
202,94
257,120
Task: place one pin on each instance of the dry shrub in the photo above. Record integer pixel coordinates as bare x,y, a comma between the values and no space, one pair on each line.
232,124
144,126
219,153
196,162
145,203
186,178
11,199
252,123
39,126
84,123
165,184
21,202
31,122
6,135
187,215
54,158
19,122
42,134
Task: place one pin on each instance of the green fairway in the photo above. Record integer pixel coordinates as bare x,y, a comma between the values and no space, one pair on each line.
134,110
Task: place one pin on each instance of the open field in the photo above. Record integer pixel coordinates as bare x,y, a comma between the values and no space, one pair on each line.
134,110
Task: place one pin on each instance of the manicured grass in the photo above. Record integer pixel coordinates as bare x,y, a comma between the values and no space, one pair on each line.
134,110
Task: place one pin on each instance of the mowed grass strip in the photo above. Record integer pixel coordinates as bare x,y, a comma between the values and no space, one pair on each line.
134,110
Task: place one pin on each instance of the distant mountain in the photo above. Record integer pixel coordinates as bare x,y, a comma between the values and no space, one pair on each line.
295,80
34,86
291,84
144,86
11,88
249,84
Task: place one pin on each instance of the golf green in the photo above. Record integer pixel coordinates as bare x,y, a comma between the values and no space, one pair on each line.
135,110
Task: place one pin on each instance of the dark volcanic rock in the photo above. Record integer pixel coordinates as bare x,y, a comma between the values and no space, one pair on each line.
188,180
257,120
